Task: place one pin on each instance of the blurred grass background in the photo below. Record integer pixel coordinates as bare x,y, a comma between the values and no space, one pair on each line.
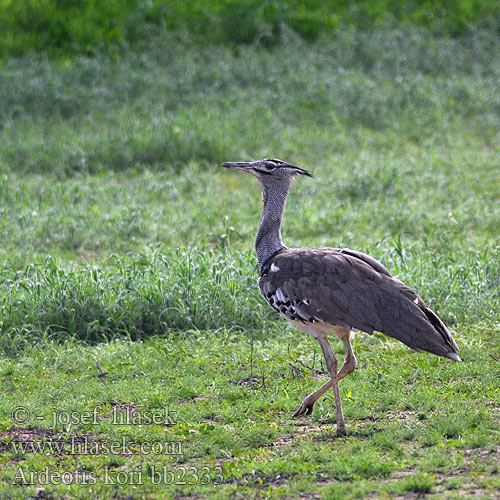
86,26
114,115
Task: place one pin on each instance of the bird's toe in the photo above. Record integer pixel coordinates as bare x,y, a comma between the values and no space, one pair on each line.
305,408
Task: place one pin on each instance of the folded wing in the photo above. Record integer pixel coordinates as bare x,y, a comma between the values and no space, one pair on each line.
353,290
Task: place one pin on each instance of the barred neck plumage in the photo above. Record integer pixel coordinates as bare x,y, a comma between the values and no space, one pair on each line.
268,241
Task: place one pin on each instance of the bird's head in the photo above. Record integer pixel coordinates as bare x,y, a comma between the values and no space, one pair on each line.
268,171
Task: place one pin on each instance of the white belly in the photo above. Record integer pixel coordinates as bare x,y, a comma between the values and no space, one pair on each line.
320,329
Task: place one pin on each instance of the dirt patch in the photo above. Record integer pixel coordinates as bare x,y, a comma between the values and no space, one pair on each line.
25,434
38,434
201,397
302,431
404,496
42,494
399,416
116,496
122,405
282,441
253,382
495,410
478,452
260,479
39,440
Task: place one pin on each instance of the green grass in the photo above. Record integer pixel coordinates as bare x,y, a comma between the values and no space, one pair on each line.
399,90
203,289
88,27
122,243
232,407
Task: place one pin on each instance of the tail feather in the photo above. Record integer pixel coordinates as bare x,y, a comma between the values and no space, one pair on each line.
441,328
453,355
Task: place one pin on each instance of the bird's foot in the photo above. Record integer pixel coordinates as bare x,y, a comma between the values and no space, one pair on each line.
305,408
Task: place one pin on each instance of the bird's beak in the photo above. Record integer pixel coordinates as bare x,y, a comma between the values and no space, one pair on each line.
239,165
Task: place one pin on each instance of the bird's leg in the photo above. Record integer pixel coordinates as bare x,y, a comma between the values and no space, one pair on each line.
332,365
350,364
306,407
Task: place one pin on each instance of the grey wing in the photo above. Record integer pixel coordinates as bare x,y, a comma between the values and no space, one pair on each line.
353,290
368,259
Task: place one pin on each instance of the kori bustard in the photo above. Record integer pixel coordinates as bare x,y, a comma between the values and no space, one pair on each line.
334,290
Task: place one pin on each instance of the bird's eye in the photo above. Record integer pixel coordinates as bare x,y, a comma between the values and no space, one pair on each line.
269,166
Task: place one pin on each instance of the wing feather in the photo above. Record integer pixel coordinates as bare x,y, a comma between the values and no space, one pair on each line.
353,290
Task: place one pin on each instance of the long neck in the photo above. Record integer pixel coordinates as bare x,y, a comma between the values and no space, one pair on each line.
268,239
